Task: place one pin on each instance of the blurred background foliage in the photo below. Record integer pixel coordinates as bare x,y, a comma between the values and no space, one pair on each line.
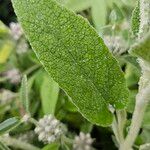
112,20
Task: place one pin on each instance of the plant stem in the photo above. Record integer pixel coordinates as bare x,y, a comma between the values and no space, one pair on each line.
121,118
17,143
140,107
33,68
115,129
32,120
118,125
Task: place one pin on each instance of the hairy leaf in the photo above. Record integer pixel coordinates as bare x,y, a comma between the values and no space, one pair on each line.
24,94
136,19
75,56
142,48
8,125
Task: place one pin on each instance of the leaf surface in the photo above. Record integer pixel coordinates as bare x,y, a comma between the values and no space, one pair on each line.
99,13
75,57
136,19
24,94
78,5
49,95
8,124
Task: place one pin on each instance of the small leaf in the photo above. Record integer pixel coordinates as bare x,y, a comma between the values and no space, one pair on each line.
136,19
142,48
6,47
49,95
8,125
116,15
145,135
24,94
53,146
132,75
111,2
78,5
4,30
75,57
99,13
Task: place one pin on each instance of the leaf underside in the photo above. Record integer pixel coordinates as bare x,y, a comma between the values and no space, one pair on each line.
136,19
75,57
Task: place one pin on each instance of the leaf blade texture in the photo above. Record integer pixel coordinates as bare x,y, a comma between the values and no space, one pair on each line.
135,20
75,57
49,95
24,94
9,124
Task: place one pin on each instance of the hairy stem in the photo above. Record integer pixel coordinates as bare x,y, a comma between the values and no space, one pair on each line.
115,130
140,107
118,125
17,143
121,118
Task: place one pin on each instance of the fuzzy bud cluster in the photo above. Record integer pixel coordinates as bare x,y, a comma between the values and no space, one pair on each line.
144,18
22,46
6,96
116,44
49,129
13,76
83,142
16,30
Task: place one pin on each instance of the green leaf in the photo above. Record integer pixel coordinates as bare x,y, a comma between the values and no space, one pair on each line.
53,146
145,135
8,125
49,95
146,119
142,48
136,19
6,47
86,127
132,75
78,5
131,103
24,94
4,30
99,13
116,15
75,56
111,2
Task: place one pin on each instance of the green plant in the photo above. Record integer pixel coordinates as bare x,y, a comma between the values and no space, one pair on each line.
79,63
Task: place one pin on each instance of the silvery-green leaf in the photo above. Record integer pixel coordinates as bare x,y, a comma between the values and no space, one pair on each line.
75,57
8,124
136,19
24,94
